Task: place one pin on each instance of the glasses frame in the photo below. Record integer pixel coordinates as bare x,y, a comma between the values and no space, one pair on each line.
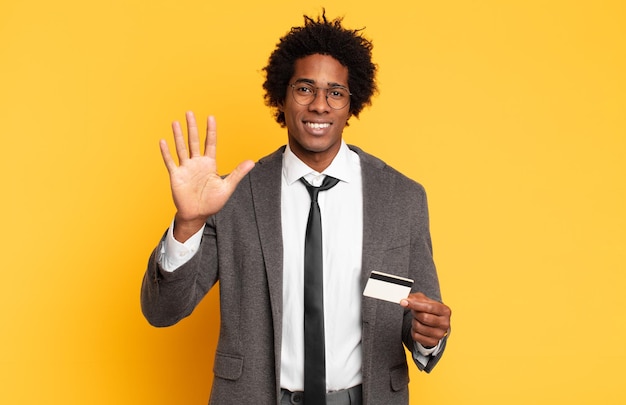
315,90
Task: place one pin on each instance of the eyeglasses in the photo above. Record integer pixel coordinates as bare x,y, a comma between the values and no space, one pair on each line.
337,97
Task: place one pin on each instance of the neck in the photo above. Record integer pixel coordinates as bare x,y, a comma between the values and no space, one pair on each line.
317,161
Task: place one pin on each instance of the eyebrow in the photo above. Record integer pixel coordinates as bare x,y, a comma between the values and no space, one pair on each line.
312,82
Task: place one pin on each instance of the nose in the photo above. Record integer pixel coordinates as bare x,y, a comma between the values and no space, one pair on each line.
319,103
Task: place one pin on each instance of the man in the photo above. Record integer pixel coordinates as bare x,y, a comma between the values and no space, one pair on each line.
251,232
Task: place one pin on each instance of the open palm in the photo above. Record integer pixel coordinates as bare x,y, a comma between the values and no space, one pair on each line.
197,189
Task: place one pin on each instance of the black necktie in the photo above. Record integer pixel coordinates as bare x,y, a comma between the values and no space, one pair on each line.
314,351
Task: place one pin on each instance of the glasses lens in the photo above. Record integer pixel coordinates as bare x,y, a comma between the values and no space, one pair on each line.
338,97
303,93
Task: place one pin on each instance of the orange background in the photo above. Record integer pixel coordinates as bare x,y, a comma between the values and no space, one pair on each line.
511,113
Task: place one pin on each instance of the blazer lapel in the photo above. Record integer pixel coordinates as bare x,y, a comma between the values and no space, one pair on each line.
375,199
265,182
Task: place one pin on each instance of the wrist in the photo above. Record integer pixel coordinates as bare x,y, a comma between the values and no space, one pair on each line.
186,228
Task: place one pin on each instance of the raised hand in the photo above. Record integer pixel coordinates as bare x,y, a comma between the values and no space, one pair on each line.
197,189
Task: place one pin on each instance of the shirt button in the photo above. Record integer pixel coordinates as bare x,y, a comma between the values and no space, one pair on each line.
296,398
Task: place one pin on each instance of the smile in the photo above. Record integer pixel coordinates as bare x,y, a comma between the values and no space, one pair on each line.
317,125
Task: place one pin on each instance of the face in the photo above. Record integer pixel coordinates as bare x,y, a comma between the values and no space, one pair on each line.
315,130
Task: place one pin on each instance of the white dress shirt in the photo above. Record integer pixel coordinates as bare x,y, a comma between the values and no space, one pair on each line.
341,210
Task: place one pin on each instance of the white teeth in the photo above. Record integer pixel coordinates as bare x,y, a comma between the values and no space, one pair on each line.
316,125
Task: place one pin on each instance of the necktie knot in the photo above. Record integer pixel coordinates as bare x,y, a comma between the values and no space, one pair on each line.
329,182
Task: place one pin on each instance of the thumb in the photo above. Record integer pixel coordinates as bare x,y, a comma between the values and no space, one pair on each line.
240,171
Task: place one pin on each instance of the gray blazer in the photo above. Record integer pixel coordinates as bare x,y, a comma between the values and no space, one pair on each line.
242,248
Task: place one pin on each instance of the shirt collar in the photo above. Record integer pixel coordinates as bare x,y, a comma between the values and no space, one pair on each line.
294,168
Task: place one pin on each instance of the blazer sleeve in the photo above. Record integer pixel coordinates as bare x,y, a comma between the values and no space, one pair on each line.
422,268
168,297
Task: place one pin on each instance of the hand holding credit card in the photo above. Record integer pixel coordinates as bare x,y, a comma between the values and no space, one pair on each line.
388,287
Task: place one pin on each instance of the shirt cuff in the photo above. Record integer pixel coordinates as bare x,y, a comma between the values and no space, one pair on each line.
422,354
174,254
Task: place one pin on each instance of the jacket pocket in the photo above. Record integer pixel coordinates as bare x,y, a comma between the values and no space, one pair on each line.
399,377
228,366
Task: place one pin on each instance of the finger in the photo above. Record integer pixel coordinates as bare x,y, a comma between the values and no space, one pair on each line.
413,298
427,336
435,332
179,142
427,307
415,304
167,156
210,144
435,321
420,303
192,133
240,171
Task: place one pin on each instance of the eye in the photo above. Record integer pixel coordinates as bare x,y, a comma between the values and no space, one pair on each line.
304,89
337,92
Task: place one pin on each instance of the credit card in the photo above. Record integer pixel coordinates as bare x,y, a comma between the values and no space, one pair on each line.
387,287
